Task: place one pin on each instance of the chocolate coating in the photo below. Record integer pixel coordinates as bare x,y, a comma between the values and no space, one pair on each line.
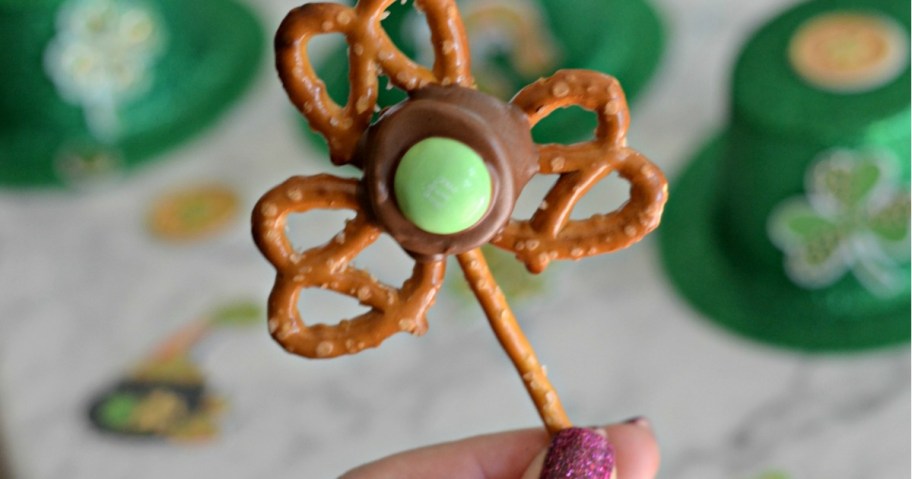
499,132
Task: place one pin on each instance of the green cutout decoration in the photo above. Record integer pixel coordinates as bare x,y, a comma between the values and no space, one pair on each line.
165,396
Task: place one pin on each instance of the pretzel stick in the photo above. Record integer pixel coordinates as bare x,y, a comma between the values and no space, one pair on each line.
512,339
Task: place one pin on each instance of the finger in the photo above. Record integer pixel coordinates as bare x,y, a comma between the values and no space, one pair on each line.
508,455
501,455
636,449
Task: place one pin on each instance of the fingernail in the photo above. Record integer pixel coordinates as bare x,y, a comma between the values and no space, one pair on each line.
578,453
640,421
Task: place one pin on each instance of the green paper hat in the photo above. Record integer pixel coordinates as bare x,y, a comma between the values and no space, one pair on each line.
514,42
93,87
792,226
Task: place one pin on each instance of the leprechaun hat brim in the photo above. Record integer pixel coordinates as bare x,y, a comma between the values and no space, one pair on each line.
210,55
624,39
765,307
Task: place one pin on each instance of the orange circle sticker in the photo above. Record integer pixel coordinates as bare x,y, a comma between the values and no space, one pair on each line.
849,52
193,213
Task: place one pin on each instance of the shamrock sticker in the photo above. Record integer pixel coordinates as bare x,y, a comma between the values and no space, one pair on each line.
102,56
853,218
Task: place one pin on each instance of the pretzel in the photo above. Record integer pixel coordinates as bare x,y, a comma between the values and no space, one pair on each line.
370,52
329,267
497,132
550,233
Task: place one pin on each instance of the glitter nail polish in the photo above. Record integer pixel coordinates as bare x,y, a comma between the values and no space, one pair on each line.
578,453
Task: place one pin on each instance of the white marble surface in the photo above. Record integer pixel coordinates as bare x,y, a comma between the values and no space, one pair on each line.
85,293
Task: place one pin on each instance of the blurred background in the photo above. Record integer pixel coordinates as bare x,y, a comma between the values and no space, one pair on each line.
132,324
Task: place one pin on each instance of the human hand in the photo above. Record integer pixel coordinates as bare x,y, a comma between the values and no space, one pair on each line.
526,454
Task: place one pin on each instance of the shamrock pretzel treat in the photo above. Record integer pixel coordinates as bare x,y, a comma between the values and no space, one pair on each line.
442,172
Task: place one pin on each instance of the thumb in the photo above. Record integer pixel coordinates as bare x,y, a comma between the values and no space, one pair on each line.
620,451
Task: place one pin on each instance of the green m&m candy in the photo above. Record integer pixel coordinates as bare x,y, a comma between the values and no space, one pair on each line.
442,186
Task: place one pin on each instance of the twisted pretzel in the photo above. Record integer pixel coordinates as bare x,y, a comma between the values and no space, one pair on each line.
329,267
550,233
371,52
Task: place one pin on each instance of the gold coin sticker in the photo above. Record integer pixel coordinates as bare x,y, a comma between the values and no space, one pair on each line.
849,52
193,213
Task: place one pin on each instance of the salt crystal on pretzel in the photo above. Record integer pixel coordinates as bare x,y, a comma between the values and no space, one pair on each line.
442,173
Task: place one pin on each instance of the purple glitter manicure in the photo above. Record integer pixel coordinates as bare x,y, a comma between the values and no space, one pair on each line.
578,453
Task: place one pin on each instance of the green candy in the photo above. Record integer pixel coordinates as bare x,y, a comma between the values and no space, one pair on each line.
442,186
